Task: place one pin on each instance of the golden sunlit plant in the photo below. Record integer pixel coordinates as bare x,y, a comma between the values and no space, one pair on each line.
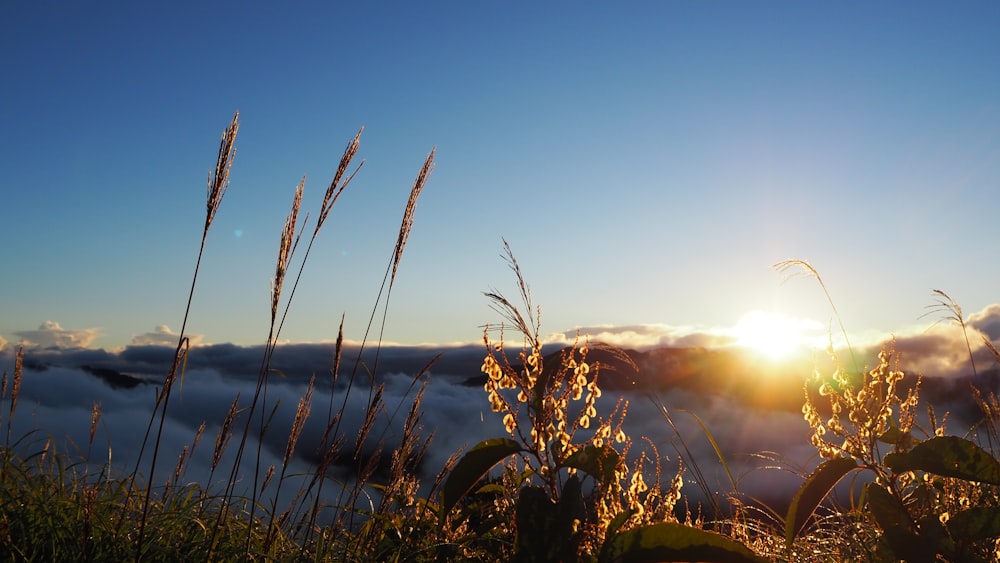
862,409
928,496
569,490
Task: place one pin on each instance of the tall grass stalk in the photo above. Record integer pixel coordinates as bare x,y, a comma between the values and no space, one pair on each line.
218,184
397,255
792,267
289,240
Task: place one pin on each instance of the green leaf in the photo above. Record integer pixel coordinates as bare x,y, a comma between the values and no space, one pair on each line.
888,510
975,524
617,522
475,464
897,526
599,463
535,515
897,438
812,493
669,541
614,526
949,456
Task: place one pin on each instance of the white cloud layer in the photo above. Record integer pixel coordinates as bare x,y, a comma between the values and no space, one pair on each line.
161,335
51,334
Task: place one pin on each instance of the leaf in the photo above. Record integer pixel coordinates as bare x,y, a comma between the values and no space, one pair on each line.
898,529
599,463
569,507
812,493
888,510
476,463
535,514
670,541
614,526
974,524
897,438
949,456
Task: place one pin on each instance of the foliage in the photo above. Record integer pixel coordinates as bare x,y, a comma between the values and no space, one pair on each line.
562,481
928,497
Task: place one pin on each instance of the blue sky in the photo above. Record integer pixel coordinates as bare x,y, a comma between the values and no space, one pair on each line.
647,162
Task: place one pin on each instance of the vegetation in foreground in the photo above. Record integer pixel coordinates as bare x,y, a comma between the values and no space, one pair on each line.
560,482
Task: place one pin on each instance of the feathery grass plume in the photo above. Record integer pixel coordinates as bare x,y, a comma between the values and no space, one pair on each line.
218,182
397,254
951,311
301,414
375,408
178,470
15,389
197,437
336,186
286,247
330,197
267,478
289,242
95,416
225,433
401,485
374,391
334,372
329,444
411,205
508,310
792,267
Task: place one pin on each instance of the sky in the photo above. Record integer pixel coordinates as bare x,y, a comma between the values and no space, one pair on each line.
647,162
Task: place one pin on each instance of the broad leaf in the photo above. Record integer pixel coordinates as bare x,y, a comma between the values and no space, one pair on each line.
812,493
898,529
670,541
599,463
897,438
473,466
535,515
949,456
975,524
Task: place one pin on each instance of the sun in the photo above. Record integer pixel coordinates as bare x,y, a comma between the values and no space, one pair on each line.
772,335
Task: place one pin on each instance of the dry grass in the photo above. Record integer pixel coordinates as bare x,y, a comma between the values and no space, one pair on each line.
563,482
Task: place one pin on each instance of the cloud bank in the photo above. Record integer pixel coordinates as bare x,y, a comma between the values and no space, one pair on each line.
749,405
51,334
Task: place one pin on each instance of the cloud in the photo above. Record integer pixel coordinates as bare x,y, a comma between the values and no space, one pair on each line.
163,336
641,337
987,321
50,334
940,350
3,343
745,405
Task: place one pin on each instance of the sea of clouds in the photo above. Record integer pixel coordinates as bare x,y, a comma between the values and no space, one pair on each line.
751,407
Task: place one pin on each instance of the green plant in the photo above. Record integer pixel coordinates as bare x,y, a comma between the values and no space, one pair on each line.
570,491
931,496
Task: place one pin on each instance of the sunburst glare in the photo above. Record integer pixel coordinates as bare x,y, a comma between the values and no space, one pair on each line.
776,336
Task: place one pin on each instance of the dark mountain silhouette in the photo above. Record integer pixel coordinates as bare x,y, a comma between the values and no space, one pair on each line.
112,378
